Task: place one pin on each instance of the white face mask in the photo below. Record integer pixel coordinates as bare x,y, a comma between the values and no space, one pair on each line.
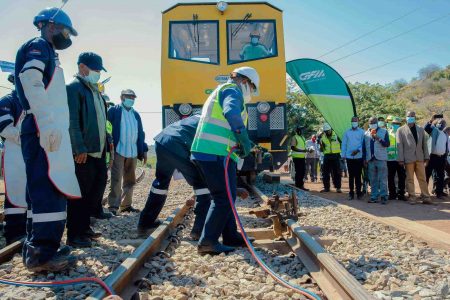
246,92
93,77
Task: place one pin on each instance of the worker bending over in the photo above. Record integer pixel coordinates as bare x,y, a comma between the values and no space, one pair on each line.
13,168
45,140
223,126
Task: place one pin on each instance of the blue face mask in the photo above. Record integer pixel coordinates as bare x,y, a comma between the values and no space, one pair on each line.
255,40
128,103
93,77
395,127
381,124
354,124
410,120
373,126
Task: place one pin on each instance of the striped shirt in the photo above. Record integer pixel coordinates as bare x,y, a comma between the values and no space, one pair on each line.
128,134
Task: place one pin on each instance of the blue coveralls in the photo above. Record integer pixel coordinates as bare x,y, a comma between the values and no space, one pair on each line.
220,219
15,217
173,150
43,235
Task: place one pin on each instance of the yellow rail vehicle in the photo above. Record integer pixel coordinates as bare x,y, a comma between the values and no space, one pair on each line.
203,42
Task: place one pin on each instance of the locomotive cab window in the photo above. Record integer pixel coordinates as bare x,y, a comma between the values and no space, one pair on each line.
251,40
195,41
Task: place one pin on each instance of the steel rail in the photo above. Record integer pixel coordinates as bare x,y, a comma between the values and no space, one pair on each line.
123,279
332,278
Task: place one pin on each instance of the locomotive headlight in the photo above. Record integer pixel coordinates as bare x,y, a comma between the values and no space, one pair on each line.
185,109
263,107
222,6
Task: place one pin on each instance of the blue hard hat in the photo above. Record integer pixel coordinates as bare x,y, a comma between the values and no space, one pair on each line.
55,15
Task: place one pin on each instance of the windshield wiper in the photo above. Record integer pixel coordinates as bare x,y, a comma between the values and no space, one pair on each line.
236,31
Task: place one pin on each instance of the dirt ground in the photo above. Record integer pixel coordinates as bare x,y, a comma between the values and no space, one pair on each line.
435,216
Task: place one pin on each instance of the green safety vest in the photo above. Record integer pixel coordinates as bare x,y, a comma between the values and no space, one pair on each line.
392,149
301,144
214,134
108,131
333,146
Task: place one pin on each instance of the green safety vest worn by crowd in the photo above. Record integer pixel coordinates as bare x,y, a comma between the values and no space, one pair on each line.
214,134
333,146
301,145
392,149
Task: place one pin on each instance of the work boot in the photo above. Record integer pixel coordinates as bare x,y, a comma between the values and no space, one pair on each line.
129,209
427,200
195,236
372,200
392,197
79,242
144,232
63,250
104,215
412,200
351,197
215,249
92,234
113,210
56,264
401,197
359,196
383,200
324,191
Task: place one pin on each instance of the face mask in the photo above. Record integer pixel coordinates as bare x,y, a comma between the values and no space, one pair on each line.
128,103
354,124
246,93
410,120
255,40
93,77
395,127
373,126
60,42
381,123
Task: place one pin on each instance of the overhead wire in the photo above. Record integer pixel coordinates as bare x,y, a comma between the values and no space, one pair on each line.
370,32
393,61
391,38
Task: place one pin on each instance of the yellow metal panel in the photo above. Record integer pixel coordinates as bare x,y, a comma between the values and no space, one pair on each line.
187,81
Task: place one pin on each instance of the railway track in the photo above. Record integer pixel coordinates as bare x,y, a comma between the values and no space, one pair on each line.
333,279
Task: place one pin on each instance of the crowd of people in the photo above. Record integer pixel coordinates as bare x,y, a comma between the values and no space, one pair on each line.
60,139
388,156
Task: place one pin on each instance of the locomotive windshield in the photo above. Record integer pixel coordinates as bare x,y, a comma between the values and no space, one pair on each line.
194,41
251,40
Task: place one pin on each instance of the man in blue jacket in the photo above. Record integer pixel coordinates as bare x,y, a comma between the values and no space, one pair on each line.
45,141
129,146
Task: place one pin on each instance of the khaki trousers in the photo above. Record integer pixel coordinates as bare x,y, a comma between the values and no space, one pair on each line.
418,168
122,168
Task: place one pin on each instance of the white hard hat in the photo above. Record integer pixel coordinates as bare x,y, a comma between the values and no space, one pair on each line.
251,74
326,127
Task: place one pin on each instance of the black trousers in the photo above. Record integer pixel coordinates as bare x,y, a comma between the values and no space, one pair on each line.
355,167
393,169
436,167
300,165
92,180
331,168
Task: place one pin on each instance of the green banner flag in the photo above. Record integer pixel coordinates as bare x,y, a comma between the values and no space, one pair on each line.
326,89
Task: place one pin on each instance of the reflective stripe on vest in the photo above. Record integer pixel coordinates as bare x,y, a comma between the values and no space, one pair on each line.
301,144
392,149
335,146
214,134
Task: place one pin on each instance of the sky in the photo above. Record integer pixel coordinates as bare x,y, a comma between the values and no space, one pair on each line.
127,34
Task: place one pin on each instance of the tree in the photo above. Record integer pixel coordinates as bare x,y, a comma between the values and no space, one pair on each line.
427,71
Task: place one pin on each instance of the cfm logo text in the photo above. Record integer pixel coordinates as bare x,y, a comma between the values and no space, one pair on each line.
312,74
